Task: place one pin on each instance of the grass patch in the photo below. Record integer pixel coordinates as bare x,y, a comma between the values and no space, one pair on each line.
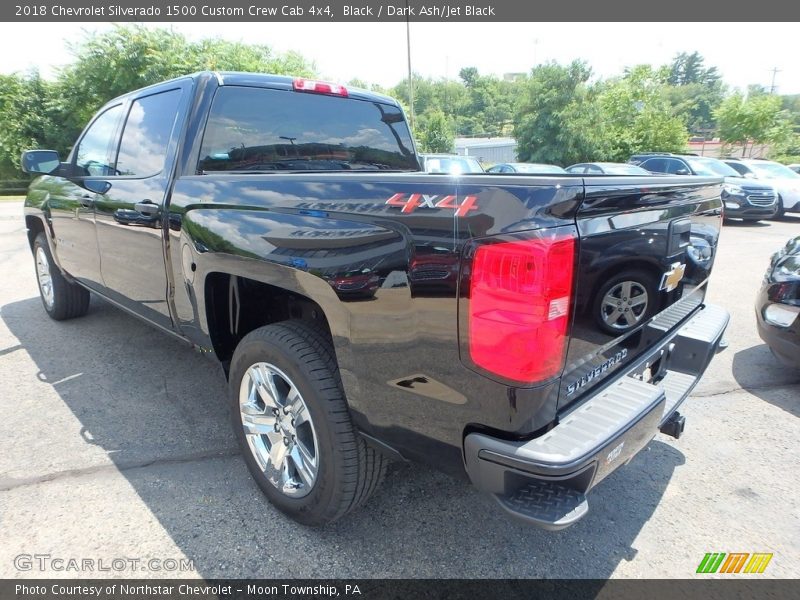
12,198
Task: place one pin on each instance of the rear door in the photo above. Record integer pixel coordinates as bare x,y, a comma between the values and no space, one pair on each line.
647,247
130,215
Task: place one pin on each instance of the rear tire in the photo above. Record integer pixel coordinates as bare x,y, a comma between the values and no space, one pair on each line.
61,299
300,444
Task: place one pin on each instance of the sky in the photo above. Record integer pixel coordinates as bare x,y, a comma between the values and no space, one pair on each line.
744,53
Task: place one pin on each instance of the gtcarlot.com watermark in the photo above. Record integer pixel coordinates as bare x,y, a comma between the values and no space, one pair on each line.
118,564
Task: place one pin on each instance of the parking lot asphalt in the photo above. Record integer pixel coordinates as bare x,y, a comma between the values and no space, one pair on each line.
116,445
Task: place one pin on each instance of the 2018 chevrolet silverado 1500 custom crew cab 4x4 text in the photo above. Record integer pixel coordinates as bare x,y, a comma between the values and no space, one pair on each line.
529,332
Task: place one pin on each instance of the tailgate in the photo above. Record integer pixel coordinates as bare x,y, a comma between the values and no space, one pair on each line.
647,247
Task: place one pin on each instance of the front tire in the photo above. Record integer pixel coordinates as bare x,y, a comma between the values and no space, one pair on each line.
61,299
781,212
293,425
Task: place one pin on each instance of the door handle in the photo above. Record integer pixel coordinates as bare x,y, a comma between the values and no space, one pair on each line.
147,207
87,201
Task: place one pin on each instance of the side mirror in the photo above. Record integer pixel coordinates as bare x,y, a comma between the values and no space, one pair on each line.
97,186
750,176
682,172
40,162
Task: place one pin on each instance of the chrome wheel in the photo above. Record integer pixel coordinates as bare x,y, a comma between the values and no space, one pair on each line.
624,305
278,429
45,279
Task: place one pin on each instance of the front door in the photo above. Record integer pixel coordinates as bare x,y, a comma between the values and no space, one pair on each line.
73,195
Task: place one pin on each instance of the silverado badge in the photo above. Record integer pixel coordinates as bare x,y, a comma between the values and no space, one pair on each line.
671,279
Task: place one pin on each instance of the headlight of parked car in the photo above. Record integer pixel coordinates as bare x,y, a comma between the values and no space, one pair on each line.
791,246
782,315
787,269
699,250
732,189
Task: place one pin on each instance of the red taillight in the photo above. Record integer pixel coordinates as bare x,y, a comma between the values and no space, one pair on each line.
319,87
519,302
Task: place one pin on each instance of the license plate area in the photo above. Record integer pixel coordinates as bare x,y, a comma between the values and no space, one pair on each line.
626,446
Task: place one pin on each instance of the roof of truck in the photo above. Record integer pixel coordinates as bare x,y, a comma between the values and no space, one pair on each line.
265,80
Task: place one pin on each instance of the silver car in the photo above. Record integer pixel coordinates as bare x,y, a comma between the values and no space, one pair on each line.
785,181
451,164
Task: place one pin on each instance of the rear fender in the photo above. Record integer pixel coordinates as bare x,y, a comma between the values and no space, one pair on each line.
333,262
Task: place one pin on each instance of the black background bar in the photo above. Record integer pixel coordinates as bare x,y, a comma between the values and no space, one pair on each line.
734,588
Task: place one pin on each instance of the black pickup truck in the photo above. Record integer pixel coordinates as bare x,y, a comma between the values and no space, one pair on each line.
531,333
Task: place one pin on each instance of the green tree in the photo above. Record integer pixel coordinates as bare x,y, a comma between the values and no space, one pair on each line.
474,105
788,150
558,120
637,115
688,69
755,119
431,95
27,117
791,104
435,133
126,58
694,91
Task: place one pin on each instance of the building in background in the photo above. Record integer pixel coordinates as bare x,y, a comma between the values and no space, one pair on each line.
715,148
488,150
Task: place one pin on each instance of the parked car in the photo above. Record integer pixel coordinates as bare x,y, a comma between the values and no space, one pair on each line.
433,269
498,373
743,199
778,304
785,181
451,164
359,283
529,168
606,168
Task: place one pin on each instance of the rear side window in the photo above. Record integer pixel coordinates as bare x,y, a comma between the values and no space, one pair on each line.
256,129
739,167
673,166
143,149
95,153
656,165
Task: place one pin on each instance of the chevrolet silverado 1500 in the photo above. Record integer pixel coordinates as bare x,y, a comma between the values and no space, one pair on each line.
530,333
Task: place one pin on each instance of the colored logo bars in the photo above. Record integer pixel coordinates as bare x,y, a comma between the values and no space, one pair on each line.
735,562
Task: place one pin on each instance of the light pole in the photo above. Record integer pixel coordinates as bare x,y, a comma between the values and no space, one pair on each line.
410,79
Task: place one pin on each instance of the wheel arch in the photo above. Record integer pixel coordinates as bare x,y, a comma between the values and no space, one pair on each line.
237,295
235,305
35,226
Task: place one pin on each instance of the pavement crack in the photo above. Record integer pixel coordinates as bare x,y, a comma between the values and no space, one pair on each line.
12,483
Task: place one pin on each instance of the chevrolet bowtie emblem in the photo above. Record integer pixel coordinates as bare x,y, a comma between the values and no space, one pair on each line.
673,277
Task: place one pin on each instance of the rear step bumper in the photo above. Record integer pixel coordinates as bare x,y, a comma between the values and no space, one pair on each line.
544,481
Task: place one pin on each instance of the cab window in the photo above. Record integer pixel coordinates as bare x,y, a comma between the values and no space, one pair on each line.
258,129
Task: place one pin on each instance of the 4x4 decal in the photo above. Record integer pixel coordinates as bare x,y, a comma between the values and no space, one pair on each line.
410,202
